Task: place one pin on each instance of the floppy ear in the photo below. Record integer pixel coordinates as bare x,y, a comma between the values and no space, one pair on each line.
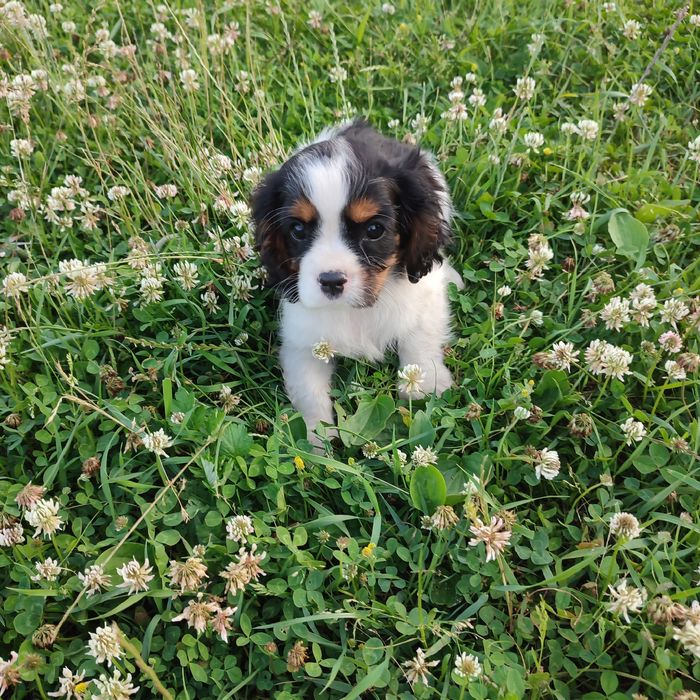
422,198
270,239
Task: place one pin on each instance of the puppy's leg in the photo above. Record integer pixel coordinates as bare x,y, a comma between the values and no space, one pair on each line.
308,382
423,347
437,377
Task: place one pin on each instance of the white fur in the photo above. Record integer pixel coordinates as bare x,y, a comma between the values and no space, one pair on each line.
413,318
325,183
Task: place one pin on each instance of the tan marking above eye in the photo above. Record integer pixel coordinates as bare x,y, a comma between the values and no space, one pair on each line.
303,210
361,210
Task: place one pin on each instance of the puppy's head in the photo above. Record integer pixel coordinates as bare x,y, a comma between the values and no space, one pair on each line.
344,214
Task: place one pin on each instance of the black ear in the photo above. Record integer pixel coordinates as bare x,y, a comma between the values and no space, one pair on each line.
424,227
270,239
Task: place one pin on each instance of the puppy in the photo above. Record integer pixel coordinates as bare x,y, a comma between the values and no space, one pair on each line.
350,231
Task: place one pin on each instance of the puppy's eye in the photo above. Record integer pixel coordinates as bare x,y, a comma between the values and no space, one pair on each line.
298,230
374,230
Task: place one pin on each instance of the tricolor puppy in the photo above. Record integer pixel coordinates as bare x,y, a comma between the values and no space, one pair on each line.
350,230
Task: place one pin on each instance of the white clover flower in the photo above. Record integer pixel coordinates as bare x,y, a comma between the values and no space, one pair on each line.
625,525
165,191
188,575
547,464
674,371
44,517
118,192
104,644
411,380
14,285
47,570
82,278
521,413
323,351
393,123
496,536
444,518
135,576
694,146
239,527
538,260
210,300
674,310
633,430
694,20
189,80
417,668
197,613
157,442
337,74
577,212
315,20
477,98
533,140
689,637
610,360
568,128
588,129
423,456
671,342
631,29
616,313
388,8
420,124
609,6
640,93
536,317
625,599
467,666
499,121
21,148
504,291
94,579
186,274
151,289
68,685
617,362
536,44
524,88
114,688
562,355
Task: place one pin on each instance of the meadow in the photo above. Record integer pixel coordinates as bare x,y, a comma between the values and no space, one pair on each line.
166,531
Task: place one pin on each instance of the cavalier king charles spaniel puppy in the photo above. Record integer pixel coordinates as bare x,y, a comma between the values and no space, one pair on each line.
350,231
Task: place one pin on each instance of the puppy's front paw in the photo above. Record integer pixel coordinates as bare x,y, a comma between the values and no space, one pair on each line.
320,437
443,380
437,380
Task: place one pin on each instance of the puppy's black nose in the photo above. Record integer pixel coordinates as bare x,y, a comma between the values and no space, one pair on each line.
332,283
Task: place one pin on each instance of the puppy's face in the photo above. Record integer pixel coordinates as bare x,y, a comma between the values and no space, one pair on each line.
337,220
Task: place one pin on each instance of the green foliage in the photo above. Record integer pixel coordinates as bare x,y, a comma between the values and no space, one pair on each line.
141,388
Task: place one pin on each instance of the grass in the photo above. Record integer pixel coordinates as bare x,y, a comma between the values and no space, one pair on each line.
360,568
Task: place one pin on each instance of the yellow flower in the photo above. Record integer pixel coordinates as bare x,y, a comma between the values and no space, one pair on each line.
80,688
299,463
474,67
547,151
369,549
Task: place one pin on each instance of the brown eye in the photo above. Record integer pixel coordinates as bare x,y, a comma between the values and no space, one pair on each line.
374,231
298,230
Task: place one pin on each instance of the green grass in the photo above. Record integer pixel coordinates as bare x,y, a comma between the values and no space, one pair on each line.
350,571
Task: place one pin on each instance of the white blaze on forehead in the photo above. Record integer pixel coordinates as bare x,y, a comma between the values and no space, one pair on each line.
326,182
